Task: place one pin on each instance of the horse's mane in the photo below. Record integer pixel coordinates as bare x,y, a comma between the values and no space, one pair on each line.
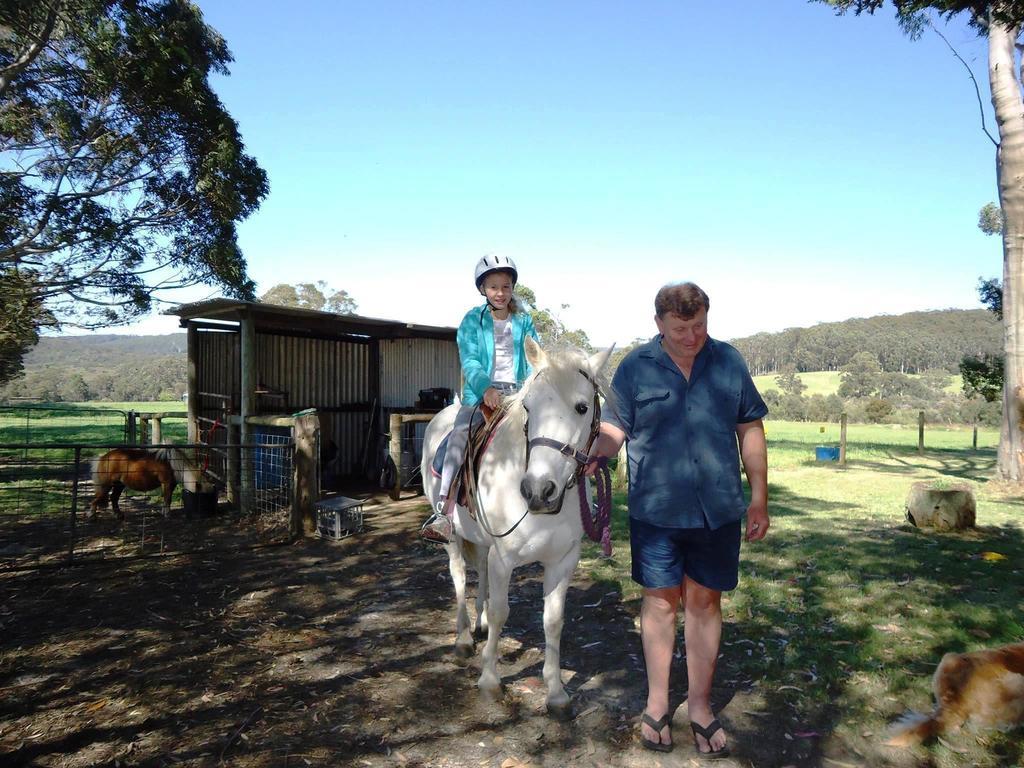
563,367
178,459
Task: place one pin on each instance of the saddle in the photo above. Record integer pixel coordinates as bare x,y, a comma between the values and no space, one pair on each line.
481,430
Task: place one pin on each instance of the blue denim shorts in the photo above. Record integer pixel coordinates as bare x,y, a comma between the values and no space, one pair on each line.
662,556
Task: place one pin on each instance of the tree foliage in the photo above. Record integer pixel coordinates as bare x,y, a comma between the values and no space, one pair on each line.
983,376
550,329
122,172
23,315
789,382
317,296
908,343
861,376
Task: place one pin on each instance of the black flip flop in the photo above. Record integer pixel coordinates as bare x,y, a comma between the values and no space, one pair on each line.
712,728
657,725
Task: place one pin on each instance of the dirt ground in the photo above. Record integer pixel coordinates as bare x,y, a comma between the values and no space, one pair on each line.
328,653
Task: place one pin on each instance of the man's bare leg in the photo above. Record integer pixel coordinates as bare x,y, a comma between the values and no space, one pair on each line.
702,633
658,633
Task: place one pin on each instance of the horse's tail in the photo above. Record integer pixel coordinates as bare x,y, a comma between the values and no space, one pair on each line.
913,728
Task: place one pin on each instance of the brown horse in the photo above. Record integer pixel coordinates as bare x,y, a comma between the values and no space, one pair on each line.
140,470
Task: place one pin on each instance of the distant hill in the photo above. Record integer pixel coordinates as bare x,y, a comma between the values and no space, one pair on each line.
103,351
102,367
121,368
910,343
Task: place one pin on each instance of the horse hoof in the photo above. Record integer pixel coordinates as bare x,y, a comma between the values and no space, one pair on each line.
561,712
463,652
490,695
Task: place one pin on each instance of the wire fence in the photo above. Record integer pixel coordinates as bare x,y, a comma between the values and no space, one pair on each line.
48,514
43,424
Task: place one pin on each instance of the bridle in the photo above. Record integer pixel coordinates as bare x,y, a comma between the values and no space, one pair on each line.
580,457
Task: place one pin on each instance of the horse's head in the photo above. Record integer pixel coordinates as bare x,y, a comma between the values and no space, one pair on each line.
562,415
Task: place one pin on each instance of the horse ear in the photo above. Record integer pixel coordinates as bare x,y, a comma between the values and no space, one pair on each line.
599,360
534,354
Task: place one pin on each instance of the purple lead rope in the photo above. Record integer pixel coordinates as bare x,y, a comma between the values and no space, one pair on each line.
598,525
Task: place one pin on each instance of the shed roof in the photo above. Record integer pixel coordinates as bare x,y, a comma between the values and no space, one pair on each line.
271,318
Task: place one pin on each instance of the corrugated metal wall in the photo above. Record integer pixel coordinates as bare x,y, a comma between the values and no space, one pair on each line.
409,365
331,376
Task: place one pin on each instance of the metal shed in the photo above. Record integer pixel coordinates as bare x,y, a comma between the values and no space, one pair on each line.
248,361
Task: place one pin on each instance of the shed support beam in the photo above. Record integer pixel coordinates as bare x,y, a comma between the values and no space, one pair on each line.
192,383
247,348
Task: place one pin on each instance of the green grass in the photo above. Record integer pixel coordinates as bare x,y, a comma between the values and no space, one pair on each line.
844,610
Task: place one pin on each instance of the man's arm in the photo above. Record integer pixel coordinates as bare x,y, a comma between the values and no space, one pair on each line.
606,445
754,452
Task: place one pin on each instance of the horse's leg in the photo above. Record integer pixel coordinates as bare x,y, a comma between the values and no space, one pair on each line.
480,630
457,568
99,500
556,584
168,493
115,494
498,575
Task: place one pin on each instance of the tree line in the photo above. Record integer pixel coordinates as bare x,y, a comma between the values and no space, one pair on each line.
909,343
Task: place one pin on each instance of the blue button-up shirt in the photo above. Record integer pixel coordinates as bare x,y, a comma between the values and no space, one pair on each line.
681,435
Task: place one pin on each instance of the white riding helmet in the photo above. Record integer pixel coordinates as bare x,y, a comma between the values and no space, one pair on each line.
491,263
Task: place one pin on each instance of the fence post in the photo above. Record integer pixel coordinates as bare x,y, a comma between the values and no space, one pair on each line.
395,450
232,463
305,492
158,435
74,503
920,431
842,440
132,429
974,439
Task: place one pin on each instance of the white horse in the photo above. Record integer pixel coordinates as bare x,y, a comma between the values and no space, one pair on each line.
528,510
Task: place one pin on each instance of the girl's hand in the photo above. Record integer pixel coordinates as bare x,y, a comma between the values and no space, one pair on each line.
492,398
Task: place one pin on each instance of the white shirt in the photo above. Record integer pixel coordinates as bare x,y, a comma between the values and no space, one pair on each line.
503,373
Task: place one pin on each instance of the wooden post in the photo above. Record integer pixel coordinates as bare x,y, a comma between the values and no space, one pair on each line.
974,439
920,431
158,432
842,440
395,451
192,383
143,430
247,345
133,434
304,490
232,467
74,503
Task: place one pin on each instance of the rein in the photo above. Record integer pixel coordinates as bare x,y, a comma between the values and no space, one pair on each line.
598,522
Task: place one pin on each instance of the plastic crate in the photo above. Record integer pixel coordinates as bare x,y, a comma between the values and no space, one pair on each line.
826,453
338,517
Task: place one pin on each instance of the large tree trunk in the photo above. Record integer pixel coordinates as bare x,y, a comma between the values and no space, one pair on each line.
1009,108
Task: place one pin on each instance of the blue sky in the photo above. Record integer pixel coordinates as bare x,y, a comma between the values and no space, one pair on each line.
799,166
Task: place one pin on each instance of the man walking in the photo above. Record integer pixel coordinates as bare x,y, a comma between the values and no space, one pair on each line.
681,402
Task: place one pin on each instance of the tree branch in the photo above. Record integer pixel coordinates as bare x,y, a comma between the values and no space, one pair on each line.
977,90
12,70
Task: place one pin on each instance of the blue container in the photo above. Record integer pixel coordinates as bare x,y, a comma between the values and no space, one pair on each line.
827,453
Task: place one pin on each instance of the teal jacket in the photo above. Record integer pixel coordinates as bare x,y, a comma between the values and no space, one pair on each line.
476,350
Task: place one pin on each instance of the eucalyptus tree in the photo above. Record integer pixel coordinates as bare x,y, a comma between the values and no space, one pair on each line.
121,172
1000,21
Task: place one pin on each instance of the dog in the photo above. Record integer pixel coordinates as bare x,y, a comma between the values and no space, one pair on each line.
984,687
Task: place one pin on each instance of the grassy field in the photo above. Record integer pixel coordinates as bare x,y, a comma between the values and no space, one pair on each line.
844,610
90,423
827,382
